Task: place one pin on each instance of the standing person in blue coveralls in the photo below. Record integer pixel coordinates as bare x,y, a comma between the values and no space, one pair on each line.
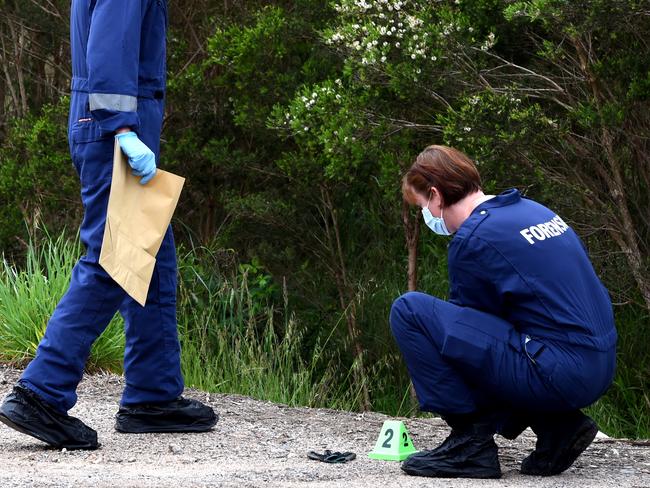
118,90
527,337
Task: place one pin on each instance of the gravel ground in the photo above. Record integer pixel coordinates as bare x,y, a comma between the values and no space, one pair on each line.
264,444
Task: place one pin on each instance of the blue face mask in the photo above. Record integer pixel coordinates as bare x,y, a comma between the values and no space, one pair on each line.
436,224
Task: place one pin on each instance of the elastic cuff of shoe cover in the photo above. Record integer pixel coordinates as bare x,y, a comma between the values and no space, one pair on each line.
481,422
43,397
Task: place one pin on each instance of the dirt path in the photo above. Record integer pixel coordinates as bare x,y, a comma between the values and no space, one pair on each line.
263,444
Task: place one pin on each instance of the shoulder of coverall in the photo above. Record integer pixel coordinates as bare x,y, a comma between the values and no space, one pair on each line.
481,213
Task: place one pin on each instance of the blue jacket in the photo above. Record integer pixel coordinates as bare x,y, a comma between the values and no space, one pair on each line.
517,259
118,56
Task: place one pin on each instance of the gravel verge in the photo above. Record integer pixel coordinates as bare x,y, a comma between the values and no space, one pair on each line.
260,443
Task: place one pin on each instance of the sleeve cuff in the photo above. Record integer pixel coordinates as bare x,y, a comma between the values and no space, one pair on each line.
110,121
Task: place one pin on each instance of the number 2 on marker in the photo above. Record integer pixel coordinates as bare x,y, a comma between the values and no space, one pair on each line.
389,437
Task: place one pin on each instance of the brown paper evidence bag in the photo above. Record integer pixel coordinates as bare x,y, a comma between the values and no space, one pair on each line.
136,222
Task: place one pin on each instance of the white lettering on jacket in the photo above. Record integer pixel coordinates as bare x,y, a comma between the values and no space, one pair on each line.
547,230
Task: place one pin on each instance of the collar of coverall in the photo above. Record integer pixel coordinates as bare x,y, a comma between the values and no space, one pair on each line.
508,197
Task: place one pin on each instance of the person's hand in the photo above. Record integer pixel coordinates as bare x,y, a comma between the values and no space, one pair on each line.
141,158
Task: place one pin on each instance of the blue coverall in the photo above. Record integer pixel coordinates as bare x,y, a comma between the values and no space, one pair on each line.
119,73
528,326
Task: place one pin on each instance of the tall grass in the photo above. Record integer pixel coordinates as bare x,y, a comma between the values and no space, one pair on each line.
624,411
233,344
29,294
233,339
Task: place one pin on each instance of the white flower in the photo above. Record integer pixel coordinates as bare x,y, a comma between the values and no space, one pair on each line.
467,129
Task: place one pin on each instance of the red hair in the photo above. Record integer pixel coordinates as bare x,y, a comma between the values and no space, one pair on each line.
451,171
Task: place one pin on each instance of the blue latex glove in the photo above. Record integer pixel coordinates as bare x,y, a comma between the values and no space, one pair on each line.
141,158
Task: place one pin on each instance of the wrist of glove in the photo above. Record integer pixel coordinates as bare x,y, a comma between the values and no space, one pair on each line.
141,159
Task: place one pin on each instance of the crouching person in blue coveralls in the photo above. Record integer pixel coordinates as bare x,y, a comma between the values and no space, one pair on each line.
118,88
527,337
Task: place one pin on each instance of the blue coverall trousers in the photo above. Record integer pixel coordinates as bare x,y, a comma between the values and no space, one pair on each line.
462,360
152,353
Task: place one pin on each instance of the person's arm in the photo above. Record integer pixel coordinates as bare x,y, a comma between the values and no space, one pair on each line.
475,269
112,58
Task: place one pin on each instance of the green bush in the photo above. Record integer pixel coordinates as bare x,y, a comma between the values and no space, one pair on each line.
38,183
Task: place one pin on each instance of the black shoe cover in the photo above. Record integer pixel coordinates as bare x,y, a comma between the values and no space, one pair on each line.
559,445
180,415
461,455
24,411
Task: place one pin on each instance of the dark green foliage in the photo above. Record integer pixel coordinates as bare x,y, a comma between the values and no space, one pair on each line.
38,183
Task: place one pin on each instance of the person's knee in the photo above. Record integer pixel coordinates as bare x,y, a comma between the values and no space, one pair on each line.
401,314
